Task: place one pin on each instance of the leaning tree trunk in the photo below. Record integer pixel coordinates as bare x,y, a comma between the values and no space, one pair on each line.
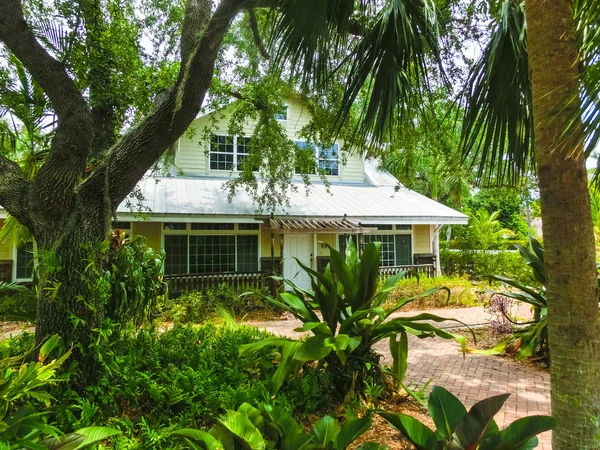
573,323
71,293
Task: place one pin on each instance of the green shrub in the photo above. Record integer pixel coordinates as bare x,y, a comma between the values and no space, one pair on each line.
186,376
344,314
134,272
463,292
17,303
275,428
196,306
26,405
458,429
473,264
531,336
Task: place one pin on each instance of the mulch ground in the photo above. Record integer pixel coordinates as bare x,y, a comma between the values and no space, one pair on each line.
486,339
383,433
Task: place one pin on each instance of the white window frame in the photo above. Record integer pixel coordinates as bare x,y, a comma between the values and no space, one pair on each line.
235,232
317,149
235,153
287,114
394,231
15,262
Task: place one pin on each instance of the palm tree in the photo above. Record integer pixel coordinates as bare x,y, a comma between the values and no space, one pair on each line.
516,123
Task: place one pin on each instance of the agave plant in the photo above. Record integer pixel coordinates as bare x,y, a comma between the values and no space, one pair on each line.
346,313
275,428
457,429
532,336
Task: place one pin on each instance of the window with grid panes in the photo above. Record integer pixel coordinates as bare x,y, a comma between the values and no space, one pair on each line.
343,241
175,226
25,261
387,247
213,226
176,254
249,226
243,148
282,113
327,159
212,254
247,253
221,153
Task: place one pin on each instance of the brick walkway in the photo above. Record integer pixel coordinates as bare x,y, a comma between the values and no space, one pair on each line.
471,378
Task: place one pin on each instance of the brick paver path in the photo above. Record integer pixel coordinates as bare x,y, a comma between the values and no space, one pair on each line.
471,378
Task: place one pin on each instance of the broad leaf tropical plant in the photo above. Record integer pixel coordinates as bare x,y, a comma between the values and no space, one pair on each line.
531,337
275,428
457,429
346,313
23,397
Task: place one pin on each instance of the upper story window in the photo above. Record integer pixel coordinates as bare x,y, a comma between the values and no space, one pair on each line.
228,152
327,159
282,113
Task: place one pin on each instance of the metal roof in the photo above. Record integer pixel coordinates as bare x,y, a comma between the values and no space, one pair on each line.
380,200
203,199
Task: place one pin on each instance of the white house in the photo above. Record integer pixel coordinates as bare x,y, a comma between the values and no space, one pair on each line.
207,238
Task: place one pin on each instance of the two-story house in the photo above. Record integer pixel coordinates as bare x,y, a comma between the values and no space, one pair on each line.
209,239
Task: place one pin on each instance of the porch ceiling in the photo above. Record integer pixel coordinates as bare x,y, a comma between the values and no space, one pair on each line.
284,226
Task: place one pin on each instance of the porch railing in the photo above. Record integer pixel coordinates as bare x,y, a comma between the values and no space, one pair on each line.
258,280
200,282
413,270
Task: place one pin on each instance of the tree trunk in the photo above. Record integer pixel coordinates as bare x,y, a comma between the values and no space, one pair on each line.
573,325
71,294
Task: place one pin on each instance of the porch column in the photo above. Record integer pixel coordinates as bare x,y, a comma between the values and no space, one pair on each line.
436,250
273,285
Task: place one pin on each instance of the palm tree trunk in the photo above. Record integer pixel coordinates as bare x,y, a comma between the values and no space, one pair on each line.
573,328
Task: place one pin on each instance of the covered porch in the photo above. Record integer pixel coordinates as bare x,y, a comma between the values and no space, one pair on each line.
287,241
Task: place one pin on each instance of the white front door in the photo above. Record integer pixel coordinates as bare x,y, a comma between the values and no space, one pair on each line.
297,246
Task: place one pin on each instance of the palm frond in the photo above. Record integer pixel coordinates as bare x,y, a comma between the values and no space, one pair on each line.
13,232
385,56
308,36
587,18
498,122
391,60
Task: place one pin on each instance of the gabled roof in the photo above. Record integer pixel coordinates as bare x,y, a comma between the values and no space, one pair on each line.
380,200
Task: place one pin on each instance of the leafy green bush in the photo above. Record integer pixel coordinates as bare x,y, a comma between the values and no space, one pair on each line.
458,429
17,303
532,337
473,263
463,292
250,428
353,321
186,376
196,306
26,402
135,274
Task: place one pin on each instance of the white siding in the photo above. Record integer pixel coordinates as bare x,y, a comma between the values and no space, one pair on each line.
192,156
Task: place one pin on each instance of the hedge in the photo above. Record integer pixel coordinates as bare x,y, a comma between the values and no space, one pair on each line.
479,263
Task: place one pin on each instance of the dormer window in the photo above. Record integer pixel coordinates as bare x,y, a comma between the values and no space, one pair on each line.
282,113
228,152
326,158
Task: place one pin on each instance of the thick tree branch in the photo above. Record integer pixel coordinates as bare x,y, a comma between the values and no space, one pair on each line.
127,162
13,189
54,185
197,13
256,34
